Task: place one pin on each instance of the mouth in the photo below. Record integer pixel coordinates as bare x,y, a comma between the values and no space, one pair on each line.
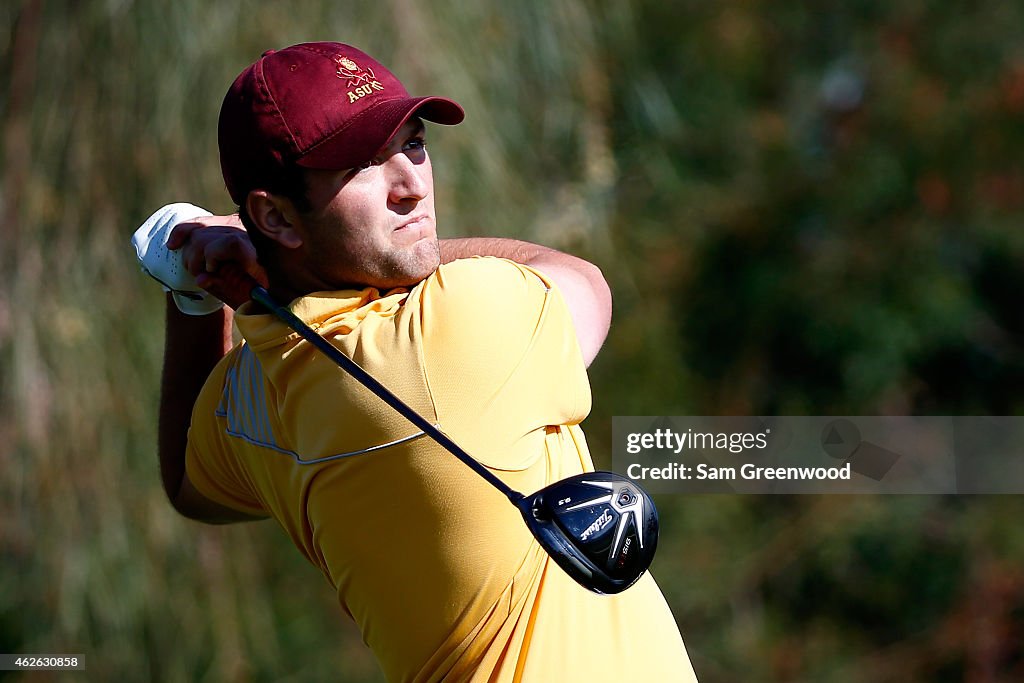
415,223
418,228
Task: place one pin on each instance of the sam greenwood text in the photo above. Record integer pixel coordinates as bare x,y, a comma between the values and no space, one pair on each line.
702,471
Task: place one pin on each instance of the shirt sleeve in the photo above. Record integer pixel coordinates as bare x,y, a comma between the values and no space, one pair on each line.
212,464
502,360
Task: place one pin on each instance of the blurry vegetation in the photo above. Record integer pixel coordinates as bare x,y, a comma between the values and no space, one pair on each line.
803,208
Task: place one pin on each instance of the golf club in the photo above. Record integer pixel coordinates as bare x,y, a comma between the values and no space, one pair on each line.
600,527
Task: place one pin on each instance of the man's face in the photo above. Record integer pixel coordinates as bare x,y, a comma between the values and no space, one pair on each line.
373,225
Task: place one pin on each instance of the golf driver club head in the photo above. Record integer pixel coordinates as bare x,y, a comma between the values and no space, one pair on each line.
600,527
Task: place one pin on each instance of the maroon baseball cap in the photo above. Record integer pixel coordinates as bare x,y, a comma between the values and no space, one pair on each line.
317,105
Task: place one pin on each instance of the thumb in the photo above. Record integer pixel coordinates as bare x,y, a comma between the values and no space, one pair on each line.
179,234
255,271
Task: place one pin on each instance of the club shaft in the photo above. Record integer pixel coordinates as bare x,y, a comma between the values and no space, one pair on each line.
261,296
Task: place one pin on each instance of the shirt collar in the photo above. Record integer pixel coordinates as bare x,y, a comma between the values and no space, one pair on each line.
322,311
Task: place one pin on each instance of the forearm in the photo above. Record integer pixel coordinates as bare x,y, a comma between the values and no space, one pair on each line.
526,253
194,345
514,250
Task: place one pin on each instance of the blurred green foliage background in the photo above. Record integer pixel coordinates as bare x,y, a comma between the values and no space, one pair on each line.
803,208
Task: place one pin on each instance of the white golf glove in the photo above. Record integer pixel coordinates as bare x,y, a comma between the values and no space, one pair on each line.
166,266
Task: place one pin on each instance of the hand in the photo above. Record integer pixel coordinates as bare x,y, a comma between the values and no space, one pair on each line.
217,251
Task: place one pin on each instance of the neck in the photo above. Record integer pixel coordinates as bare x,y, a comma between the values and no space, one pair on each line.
285,286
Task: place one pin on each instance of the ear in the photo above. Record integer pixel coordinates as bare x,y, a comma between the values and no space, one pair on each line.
273,215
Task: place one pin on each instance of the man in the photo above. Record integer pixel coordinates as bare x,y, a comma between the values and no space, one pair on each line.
324,153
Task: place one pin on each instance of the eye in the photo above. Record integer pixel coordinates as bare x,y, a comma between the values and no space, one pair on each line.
417,142
361,167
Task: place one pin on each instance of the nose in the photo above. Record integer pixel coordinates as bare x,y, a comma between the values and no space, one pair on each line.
408,180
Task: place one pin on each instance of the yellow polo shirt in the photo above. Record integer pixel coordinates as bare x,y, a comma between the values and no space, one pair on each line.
435,566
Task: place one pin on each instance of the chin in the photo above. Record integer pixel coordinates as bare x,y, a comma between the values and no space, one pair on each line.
412,280
425,259
406,277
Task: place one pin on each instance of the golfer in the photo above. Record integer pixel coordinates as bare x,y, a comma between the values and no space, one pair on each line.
324,152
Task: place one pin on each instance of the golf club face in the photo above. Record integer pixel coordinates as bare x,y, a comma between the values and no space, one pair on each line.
600,527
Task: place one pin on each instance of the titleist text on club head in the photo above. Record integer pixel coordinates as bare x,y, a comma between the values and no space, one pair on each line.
599,526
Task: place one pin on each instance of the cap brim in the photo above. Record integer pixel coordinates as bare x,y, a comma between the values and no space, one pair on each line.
369,132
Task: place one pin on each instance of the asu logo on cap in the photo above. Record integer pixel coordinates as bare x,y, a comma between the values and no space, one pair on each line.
362,81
